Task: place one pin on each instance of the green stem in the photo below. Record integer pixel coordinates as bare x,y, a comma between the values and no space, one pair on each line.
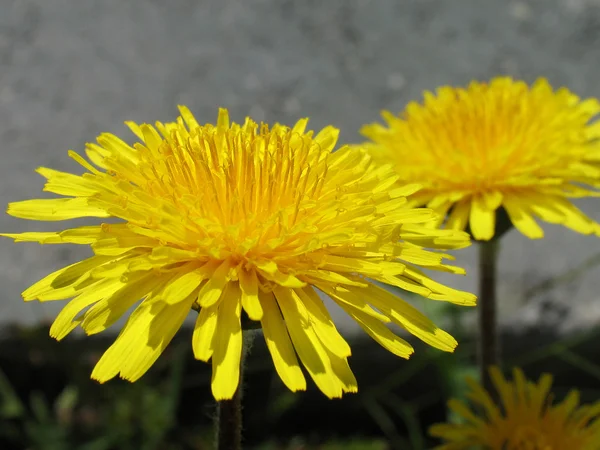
489,354
228,419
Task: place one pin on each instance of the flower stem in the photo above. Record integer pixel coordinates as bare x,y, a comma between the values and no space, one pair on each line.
228,419
488,330
229,423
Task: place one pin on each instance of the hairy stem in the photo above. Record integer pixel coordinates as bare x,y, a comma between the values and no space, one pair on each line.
489,353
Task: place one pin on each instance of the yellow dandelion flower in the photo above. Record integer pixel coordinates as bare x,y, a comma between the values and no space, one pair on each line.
527,420
496,145
237,218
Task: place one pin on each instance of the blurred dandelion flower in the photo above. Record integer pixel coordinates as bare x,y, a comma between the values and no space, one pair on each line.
527,421
499,144
236,218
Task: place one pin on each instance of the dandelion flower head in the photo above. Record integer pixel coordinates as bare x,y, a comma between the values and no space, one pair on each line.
527,419
503,144
234,221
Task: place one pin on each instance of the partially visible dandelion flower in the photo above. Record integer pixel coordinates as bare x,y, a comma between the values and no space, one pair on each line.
496,145
527,419
236,218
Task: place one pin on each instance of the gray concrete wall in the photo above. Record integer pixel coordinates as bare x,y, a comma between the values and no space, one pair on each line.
72,69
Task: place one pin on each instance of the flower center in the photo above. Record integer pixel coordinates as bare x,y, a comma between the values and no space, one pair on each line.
498,136
236,189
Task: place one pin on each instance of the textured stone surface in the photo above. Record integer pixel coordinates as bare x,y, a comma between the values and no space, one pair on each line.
69,70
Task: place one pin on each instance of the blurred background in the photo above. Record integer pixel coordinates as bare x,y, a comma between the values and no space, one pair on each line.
71,70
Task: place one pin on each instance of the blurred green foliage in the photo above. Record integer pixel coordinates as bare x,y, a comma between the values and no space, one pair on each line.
48,401
129,417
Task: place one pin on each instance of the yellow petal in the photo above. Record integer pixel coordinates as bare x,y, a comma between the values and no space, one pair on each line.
279,345
135,129
187,115
64,277
89,234
223,119
162,330
67,292
121,244
465,412
341,264
121,266
65,321
55,209
459,216
521,218
561,211
492,199
322,323
546,208
409,318
416,215
405,190
504,388
437,290
227,345
118,147
341,369
331,277
96,154
250,301
79,270
107,311
49,237
482,398
283,279
79,159
64,183
307,344
211,291
179,288
146,334
436,238
326,138
418,256
349,299
406,283
381,334
300,126
204,332
482,219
